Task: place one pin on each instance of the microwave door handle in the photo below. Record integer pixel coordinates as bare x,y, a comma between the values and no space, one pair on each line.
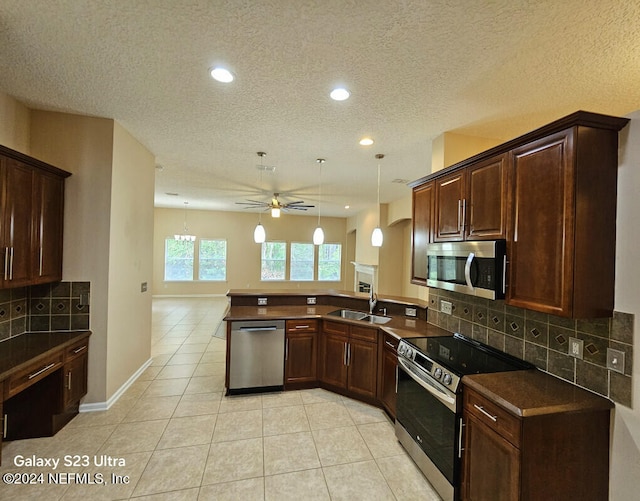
467,269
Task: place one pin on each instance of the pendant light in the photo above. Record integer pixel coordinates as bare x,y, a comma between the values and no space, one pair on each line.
376,236
318,234
259,235
185,232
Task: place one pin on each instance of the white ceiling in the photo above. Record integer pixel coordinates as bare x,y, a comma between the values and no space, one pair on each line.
416,68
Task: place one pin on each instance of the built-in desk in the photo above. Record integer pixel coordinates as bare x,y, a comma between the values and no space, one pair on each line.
43,376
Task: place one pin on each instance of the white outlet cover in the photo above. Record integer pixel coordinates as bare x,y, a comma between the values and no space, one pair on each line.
576,347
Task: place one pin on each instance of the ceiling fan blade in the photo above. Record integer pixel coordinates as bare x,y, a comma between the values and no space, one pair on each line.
295,207
295,203
298,206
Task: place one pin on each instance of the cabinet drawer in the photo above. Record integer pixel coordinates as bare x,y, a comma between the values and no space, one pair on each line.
32,374
76,350
364,333
335,327
302,325
390,343
495,417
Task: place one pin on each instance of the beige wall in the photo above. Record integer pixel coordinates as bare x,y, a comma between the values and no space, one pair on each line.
14,124
450,148
130,258
243,254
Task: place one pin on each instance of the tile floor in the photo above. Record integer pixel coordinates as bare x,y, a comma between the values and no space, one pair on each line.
180,438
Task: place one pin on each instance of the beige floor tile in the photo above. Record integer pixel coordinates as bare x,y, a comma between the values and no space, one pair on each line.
176,371
166,387
198,338
134,437
192,348
340,445
319,395
160,360
133,468
198,404
362,413
186,431
173,469
235,460
328,415
279,420
290,452
209,369
148,408
236,403
206,384
100,418
185,358
238,425
181,495
251,489
138,388
281,399
405,479
381,439
80,440
308,485
218,346
150,373
347,482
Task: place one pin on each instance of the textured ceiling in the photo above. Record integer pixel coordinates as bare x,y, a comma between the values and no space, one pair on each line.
416,68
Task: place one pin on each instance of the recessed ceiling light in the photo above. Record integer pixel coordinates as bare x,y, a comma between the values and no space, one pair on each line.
171,194
339,94
347,206
221,74
366,141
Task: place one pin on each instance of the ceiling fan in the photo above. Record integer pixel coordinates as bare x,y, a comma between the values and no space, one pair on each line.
275,205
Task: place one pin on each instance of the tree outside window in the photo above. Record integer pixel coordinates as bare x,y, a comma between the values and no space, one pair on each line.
179,257
329,262
302,261
212,260
274,259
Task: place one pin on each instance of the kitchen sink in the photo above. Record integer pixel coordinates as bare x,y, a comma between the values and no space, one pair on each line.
360,315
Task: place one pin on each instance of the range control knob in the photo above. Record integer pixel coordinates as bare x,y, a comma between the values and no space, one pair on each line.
438,373
447,378
402,349
409,353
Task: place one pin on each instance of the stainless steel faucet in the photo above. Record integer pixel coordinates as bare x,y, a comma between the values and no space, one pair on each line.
373,300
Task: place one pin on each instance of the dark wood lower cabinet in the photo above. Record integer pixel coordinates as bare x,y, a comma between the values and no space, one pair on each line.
362,364
334,367
301,354
388,363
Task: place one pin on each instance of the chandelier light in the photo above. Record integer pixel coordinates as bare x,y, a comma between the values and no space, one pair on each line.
376,236
318,234
259,235
185,232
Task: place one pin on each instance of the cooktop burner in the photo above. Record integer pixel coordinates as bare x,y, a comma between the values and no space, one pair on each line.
465,356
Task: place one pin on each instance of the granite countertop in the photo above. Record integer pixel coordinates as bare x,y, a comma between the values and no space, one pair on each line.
399,326
534,393
19,351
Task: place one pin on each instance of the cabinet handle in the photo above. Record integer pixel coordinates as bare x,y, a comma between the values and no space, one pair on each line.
464,212
460,448
396,379
69,380
504,274
302,326
459,210
6,263
348,354
286,349
40,260
11,266
481,409
85,347
344,355
44,369
5,422
389,344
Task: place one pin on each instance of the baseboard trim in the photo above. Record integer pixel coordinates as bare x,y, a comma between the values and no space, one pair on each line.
105,406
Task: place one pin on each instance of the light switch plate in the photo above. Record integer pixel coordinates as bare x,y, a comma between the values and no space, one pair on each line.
262,301
576,347
615,360
143,287
446,307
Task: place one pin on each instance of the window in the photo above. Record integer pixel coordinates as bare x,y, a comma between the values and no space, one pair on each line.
178,259
212,260
274,259
302,261
329,261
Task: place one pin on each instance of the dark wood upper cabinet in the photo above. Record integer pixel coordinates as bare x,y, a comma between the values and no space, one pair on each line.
449,208
31,220
486,201
423,198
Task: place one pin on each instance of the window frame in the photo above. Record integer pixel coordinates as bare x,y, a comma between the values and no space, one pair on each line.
339,263
193,259
200,260
313,262
284,261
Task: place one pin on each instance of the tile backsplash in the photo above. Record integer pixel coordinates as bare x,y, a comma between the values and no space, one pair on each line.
48,307
543,339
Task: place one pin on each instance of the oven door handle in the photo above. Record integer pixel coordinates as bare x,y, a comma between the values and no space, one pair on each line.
439,393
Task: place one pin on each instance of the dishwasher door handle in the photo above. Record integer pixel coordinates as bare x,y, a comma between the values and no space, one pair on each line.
259,329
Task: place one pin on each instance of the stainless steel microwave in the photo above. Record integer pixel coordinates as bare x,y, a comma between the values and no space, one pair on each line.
475,268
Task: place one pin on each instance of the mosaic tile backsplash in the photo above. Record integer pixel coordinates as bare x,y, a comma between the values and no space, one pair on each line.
59,306
543,339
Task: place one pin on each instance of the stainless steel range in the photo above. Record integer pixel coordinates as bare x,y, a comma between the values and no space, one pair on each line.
428,421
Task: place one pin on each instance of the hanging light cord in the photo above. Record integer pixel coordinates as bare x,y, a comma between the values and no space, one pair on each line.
320,192
379,156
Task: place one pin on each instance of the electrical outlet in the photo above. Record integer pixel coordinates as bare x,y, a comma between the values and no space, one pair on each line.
576,347
615,360
143,287
446,307
411,312
311,300
262,301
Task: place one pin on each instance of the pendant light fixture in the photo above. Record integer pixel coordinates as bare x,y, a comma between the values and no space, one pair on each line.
259,235
376,236
318,234
185,232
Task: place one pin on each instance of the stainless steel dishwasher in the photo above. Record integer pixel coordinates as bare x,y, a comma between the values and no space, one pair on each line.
256,356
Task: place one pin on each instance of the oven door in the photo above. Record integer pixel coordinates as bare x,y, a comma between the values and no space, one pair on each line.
427,412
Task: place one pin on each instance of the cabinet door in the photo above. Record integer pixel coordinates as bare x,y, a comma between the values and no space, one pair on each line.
17,224
541,231
423,198
300,357
487,199
334,369
449,208
388,380
490,465
362,361
75,382
48,224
